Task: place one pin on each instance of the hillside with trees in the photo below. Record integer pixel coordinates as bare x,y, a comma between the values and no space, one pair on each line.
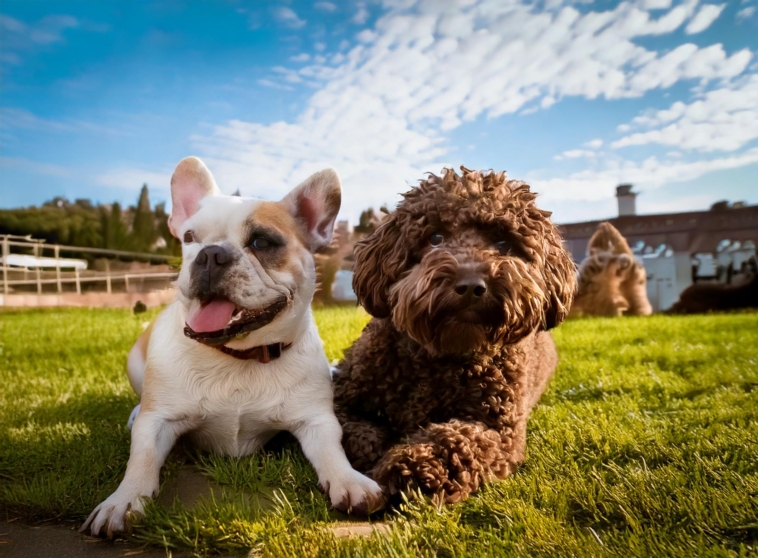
139,228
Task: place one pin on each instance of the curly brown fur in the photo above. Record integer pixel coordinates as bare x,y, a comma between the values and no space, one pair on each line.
611,282
436,392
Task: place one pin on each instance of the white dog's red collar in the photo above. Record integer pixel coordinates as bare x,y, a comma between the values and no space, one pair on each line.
263,353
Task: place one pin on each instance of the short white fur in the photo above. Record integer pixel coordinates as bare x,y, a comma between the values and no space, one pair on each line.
227,405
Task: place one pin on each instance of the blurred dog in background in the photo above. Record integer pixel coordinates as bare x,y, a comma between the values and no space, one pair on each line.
713,297
611,282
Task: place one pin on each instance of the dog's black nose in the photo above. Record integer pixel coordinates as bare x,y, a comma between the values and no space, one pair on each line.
471,287
213,257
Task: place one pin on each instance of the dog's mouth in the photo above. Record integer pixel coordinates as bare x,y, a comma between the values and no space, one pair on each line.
220,320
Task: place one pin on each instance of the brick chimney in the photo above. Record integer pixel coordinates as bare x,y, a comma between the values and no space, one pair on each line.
626,199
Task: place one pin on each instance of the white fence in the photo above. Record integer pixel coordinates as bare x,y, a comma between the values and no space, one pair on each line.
45,271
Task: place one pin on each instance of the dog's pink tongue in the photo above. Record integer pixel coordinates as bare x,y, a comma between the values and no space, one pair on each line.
212,317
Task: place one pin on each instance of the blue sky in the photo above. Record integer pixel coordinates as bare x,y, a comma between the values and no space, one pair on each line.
97,98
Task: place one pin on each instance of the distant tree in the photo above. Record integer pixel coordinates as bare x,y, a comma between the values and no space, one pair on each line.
115,233
173,246
369,220
143,226
366,223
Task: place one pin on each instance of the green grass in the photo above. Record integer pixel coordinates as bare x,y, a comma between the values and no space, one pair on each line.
646,443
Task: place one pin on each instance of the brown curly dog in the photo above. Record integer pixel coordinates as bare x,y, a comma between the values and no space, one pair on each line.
611,281
463,280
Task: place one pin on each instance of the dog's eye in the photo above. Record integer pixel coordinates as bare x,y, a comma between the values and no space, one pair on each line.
261,243
189,237
504,247
436,239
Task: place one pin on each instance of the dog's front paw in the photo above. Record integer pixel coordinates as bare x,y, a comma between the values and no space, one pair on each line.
355,493
417,467
112,516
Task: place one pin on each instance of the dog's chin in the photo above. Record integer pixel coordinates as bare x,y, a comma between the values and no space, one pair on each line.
455,331
220,321
459,338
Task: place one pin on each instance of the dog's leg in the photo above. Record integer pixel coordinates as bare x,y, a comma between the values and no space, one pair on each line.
364,442
449,461
348,490
152,439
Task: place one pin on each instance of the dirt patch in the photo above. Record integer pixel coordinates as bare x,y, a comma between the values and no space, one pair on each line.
360,529
63,541
189,486
59,541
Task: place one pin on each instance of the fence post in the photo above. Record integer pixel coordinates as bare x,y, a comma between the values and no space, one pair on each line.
78,284
36,268
126,283
108,276
58,268
6,250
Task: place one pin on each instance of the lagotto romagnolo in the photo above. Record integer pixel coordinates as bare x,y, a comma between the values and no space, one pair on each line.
237,357
463,279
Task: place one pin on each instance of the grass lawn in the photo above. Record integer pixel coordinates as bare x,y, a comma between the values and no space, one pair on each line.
646,444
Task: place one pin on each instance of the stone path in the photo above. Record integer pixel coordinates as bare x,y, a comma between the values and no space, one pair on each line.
64,541
59,541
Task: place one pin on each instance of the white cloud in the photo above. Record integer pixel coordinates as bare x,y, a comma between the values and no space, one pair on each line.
13,118
597,185
20,37
132,178
746,13
704,18
366,36
655,4
290,76
274,84
46,31
594,144
575,154
36,167
302,57
724,119
288,17
381,112
688,61
325,6
361,15
11,24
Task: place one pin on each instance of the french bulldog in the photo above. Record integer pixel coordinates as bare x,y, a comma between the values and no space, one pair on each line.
237,357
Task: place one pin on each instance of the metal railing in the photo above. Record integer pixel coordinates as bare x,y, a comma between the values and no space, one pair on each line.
59,278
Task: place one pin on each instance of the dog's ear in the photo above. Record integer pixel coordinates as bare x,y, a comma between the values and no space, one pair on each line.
561,283
607,238
314,204
379,261
190,183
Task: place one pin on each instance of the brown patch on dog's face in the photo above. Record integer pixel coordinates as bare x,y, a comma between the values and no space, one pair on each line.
286,246
466,262
264,252
248,262
255,257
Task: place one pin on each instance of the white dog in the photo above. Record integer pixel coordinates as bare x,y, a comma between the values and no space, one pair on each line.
237,356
